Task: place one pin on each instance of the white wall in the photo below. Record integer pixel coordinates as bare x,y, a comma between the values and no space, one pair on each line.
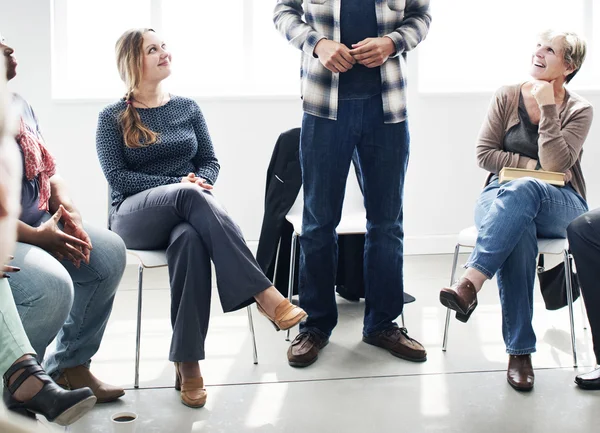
442,184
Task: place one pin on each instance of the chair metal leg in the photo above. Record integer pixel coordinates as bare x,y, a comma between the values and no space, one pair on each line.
251,326
276,263
292,274
402,318
452,276
570,304
584,317
138,335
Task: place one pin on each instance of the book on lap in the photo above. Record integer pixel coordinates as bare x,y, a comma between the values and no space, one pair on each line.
553,178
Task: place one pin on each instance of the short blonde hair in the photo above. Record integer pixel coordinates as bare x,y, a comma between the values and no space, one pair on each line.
574,48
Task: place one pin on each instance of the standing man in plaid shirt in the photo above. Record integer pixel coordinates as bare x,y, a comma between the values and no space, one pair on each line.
354,100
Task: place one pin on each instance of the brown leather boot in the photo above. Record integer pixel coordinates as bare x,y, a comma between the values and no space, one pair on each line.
81,377
520,372
460,297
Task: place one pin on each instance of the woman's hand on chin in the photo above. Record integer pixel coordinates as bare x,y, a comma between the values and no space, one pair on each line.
543,92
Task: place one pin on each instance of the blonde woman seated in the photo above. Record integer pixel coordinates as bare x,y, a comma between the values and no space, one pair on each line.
157,155
538,124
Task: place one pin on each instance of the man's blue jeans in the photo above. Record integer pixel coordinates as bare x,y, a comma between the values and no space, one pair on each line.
326,150
510,218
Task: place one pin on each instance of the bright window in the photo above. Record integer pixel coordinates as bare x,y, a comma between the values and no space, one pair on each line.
477,45
220,48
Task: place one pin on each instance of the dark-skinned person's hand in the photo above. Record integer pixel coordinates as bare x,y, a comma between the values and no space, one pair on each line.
73,225
58,243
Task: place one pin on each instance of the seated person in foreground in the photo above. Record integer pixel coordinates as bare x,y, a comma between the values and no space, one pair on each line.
27,389
70,271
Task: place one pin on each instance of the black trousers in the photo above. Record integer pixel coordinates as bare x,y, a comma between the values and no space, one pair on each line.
584,241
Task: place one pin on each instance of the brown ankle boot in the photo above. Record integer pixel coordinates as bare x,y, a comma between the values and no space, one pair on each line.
520,372
81,377
460,297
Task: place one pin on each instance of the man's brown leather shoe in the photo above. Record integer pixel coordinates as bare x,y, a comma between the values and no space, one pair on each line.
460,297
520,372
305,348
396,341
81,377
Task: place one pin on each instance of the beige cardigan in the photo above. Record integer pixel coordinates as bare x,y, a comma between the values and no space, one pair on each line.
562,132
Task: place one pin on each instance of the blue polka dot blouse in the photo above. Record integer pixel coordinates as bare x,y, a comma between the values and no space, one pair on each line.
184,146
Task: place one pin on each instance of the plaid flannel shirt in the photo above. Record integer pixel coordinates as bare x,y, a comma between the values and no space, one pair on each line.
406,22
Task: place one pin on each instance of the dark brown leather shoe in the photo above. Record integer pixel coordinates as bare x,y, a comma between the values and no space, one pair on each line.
81,377
305,348
396,341
520,372
461,297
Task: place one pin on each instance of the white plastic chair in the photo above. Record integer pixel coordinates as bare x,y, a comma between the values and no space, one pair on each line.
468,237
353,221
158,259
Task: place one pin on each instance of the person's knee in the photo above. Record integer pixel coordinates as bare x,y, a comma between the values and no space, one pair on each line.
109,254
525,183
49,295
184,236
579,229
184,230
527,188
189,193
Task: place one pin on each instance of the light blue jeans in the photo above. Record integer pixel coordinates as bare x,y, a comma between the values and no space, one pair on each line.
510,218
55,299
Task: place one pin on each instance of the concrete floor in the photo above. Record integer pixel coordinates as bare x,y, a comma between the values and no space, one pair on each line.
353,387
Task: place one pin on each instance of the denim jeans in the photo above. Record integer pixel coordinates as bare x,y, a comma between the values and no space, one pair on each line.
55,299
510,218
326,150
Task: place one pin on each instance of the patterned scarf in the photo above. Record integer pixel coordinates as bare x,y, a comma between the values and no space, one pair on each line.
38,162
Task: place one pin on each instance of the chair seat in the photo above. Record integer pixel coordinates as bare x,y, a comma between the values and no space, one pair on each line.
353,224
468,237
150,258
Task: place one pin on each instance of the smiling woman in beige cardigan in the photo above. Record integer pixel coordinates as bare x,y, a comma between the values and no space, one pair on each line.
538,124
